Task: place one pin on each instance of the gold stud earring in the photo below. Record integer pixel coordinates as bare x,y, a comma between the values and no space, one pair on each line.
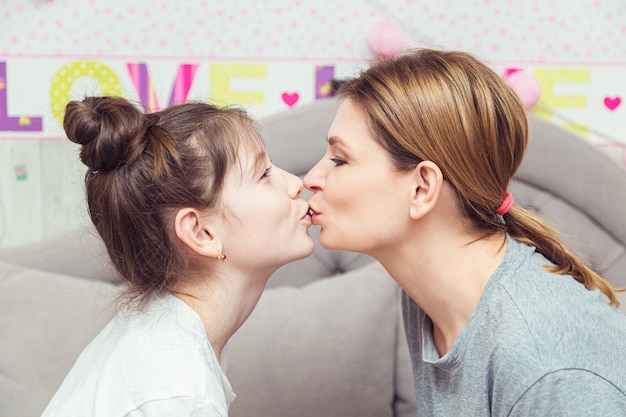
221,257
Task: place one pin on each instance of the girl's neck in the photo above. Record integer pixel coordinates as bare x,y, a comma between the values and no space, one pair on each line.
222,305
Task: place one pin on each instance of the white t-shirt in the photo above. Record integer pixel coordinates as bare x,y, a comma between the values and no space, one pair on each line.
157,362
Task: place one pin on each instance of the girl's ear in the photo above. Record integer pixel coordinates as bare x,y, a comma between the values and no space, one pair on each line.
194,230
427,186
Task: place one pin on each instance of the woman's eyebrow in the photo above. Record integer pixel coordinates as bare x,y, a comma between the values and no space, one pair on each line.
335,140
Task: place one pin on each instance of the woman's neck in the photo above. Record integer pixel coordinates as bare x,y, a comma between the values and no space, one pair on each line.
446,277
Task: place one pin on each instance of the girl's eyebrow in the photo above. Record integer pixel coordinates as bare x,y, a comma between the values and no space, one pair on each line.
259,163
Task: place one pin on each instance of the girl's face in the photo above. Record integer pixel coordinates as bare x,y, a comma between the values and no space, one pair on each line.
267,221
360,201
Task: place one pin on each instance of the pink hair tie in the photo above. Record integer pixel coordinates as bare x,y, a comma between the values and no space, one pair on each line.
506,205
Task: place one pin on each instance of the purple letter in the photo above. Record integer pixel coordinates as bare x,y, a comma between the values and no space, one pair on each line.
14,124
323,81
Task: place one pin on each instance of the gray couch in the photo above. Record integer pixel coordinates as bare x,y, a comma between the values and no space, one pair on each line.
326,338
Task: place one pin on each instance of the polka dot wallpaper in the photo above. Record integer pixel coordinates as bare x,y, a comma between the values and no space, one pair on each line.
538,31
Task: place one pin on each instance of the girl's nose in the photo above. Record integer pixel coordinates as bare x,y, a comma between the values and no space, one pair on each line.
295,185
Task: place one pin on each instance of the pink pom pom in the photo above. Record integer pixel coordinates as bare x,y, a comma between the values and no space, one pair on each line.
525,86
386,38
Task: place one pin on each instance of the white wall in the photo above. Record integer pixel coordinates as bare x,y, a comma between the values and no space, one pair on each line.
266,55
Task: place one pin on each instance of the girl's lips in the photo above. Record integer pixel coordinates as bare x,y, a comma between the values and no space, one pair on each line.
313,214
309,214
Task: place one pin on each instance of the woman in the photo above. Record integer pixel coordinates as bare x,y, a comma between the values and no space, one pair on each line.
195,218
501,318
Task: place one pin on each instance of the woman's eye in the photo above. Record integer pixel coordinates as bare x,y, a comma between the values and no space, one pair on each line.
266,173
338,161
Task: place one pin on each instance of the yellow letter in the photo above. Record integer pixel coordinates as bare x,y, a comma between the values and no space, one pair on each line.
221,76
547,78
67,75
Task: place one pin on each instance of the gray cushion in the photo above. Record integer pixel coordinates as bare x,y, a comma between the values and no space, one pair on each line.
581,192
79,253
46,319
330,348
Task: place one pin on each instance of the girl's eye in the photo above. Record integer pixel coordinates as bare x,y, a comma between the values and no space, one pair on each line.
266,173
338,161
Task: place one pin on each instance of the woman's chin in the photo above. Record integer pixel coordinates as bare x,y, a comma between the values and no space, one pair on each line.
341,245
329,243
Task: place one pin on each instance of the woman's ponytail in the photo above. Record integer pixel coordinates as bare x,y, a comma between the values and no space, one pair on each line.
528,228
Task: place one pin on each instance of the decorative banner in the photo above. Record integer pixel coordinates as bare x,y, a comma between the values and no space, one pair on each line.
587,101
34,92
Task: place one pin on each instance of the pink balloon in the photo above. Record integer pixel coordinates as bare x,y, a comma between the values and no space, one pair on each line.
386,38
525,86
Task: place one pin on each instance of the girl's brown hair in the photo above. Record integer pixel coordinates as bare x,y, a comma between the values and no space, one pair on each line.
142,168
452,109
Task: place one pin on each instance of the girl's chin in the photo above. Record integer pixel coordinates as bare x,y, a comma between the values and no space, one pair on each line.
307,250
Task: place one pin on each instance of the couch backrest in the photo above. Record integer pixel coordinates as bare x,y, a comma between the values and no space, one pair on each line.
566,180
576,187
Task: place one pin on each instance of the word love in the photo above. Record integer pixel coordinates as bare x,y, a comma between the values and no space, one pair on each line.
225,81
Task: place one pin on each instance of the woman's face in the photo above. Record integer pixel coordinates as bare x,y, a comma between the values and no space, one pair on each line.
268,222
360,201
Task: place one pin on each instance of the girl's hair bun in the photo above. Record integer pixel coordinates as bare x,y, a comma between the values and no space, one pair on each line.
110,130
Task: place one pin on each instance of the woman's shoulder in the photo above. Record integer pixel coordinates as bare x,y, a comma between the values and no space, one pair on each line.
556,323
524,281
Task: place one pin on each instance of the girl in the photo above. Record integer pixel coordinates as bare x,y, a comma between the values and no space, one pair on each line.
195,218
501,318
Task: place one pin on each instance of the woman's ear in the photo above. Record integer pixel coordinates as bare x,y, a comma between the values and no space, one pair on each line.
194,230
427,185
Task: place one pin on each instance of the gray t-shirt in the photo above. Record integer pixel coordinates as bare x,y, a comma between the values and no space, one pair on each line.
538,344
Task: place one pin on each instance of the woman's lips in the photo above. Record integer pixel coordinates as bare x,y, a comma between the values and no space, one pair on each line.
312,213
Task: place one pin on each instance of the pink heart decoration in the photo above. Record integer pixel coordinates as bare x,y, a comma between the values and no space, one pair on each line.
612,103
290,99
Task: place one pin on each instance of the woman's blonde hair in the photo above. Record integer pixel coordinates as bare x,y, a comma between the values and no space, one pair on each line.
450,108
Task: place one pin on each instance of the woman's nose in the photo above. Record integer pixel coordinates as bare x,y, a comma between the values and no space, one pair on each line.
313,178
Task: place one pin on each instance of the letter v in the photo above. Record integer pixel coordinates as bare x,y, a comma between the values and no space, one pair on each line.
145,88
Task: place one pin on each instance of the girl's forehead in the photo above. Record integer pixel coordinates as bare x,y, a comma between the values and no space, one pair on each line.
251,158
